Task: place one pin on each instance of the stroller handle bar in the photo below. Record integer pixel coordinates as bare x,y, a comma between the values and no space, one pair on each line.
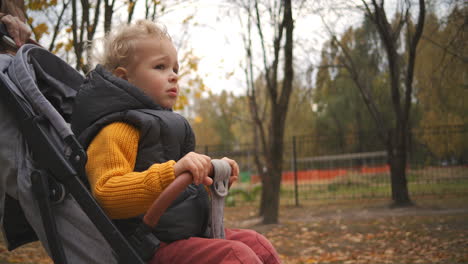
220,174
166,198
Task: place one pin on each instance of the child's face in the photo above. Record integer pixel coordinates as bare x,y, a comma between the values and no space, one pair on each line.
153,69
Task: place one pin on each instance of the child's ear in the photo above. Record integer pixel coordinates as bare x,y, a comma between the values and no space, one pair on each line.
121,72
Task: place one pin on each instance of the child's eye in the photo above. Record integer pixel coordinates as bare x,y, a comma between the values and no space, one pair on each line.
160,67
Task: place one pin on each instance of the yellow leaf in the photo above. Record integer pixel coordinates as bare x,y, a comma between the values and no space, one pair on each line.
69,45
40,4
59,46
198,119
202,87
40,30
181,102
187,19
130,6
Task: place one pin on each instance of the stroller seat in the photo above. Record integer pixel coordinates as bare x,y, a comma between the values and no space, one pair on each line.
40,158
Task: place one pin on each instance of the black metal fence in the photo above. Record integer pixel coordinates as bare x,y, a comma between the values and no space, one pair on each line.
354,166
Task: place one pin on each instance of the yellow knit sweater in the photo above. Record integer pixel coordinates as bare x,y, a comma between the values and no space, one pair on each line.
122,192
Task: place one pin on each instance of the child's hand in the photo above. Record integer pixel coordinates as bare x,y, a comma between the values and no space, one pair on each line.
198,165
234,170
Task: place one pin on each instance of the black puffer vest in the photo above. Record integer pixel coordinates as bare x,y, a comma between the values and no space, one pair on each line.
164,135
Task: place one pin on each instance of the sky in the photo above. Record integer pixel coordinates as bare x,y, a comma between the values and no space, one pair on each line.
217,37
217,40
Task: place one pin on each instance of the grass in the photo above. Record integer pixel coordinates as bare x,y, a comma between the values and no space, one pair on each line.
429,181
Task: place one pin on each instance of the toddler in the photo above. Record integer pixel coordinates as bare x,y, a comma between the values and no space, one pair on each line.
136,147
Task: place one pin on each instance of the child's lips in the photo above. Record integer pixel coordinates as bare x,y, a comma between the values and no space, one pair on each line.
172,92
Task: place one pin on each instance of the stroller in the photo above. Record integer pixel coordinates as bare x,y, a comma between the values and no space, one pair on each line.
43,191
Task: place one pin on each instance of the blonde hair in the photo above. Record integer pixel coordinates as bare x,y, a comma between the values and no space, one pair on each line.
119,45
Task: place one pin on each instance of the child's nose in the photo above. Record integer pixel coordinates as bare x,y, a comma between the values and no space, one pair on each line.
173,77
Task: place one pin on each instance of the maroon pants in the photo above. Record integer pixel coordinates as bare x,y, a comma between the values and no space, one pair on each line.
240,246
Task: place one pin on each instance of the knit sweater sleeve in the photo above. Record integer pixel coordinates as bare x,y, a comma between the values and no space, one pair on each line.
122,192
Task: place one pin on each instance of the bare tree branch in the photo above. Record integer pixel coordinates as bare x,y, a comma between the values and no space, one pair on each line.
251,92
389,40
108,13
57,25
446,49
365,92
412,59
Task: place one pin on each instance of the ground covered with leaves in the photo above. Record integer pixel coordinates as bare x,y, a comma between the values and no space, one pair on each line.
356,231
433,231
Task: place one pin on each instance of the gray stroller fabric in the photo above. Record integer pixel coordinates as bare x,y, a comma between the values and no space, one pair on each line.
46,85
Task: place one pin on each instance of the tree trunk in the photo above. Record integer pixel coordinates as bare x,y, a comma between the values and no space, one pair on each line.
400,195
271,181
272,185
264,197
270,195
397,142
277,122
274,165
279,101
264,177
